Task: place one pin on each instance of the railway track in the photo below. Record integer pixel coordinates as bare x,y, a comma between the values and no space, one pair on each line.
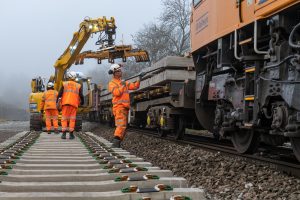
284,163
40,166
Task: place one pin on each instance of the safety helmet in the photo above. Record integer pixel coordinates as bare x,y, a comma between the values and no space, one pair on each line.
113,68
71,75
50,85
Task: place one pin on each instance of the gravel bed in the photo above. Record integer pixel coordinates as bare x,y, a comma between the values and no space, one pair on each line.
4,135
10,128
222,176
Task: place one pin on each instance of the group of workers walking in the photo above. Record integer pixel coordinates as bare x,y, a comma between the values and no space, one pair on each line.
71,96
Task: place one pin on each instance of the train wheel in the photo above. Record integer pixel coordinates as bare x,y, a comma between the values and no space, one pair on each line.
36,122
245,141
296,147
180,128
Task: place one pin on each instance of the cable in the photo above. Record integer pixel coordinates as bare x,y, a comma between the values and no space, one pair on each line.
293,45
280,63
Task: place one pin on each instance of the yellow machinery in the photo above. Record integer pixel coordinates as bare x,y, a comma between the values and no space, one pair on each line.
112,53
107,29
103,26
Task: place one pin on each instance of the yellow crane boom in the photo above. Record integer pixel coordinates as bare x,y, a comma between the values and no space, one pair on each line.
86,28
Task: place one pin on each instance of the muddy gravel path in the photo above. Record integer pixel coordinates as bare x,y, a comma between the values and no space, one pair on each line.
222,176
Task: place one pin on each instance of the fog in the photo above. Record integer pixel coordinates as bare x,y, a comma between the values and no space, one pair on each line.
34,33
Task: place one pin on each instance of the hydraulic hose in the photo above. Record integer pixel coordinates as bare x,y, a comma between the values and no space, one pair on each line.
291,43
280,63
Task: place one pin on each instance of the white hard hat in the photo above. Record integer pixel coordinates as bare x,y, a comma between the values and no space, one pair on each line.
71,75
113,68
50,85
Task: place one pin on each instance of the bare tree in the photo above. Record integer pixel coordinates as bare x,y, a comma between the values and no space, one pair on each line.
132,68
152,37
170,35
176,17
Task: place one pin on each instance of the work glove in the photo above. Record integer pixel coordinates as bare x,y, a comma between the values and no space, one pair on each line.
141,74
123,83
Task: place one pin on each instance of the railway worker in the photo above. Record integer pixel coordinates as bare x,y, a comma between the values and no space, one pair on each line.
71,95
49,105
120,101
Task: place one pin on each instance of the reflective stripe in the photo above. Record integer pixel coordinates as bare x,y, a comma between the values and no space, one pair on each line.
122,126
121,101
115,83
50,100
113,89
116,88
51,117
65,118
72,91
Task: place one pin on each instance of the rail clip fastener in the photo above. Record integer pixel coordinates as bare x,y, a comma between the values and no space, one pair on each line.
156,188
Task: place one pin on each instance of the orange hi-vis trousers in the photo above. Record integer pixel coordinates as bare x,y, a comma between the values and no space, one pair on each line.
51,115
121,118
68,115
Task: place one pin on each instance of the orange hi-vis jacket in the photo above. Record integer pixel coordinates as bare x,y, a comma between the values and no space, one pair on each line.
49,100
71,94
120,93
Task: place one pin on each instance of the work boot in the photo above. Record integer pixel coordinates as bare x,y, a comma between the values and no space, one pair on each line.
49,132
72,136
56,131
116,143
63,136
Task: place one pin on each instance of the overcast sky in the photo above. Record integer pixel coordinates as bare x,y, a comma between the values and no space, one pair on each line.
34,33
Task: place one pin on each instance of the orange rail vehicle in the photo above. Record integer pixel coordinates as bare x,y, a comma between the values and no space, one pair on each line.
247,59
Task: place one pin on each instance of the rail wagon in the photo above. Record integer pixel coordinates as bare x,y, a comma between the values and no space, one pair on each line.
165,99
246,55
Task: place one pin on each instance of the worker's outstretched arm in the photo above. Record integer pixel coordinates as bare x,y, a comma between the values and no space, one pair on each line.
115,89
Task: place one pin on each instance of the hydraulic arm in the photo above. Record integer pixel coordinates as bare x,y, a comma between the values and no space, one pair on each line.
112,53
107,30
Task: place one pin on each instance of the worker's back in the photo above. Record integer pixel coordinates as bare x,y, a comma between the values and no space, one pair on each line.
49,99
71,93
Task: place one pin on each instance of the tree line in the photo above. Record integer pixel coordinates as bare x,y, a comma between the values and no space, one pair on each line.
168,35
